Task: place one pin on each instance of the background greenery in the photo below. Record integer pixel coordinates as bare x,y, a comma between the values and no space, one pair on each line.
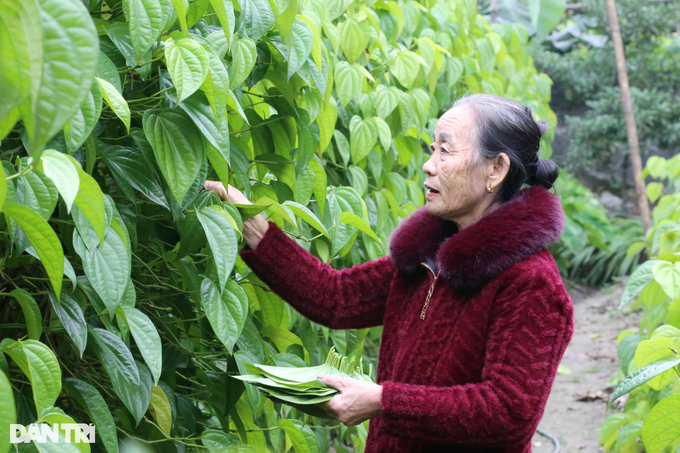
124,300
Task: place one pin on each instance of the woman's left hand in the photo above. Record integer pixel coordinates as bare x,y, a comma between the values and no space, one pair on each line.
357,401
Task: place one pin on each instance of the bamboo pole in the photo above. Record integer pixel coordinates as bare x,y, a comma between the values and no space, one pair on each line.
629,114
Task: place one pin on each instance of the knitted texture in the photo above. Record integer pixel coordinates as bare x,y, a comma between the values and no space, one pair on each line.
475,374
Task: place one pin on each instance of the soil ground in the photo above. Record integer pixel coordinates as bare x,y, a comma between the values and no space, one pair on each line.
592,360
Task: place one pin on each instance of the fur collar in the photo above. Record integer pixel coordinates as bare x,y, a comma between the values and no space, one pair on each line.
470,259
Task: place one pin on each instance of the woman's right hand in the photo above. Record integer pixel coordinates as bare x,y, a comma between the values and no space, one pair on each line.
254,228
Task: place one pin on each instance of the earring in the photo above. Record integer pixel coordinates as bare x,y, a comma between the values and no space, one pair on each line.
489,189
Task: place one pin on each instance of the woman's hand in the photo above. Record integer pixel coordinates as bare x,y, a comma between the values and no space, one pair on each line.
254,228
357,401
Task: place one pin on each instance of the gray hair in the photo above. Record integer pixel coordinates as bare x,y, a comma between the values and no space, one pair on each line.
505,126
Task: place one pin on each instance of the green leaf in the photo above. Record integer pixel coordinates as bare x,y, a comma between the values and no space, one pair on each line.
321,182
160,409
545,15
218,441
225,313
307,215
147,20
31,313
61,171
90,202
82,123
38,192
217,132
225,13
387,99
178,148
181,6
148,341
222,239
363,135
354,37
308,143
384,133
188,64
299,43
8,415
642,375
650,351
107,267
107,70
271,305
70,45
640,278
356,221
349,80
662,425
55,416
295,435
41,367
120,366
405,67
116,102
21,55
304,187
667,274
130,166
243,54
93,403
43,239
71,316
256,18
216,85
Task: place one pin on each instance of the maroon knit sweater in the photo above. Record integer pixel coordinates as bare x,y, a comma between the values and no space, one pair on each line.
474,375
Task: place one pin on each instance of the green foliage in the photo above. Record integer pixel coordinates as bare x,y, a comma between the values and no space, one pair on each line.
649,360
125,274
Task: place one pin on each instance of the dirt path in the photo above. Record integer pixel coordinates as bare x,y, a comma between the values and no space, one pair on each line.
592,359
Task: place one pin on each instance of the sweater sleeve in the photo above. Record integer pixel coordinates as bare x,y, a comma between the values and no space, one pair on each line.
351,298
530,325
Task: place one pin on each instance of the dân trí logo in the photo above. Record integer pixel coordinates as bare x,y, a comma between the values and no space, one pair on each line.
39,433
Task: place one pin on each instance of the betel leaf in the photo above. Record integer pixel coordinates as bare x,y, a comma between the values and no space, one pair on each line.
405,67
21,54
387,99
61,171
354,220
93,403
384,133
70,44
188,64
181,7
642,375
299,43
116,101
218,441
147,339
178,148
90,202
354,37
363,135
243,54
8,414
349,80
222,239
226,313
36,191
256,18
71,316
667,274
295,435
307,215
160,409
3,189
106,70
650,351
200,112
31,313
41,367
304,187
661,427
43,239
82,123
216,85
224,9
120,366
56,417
147,21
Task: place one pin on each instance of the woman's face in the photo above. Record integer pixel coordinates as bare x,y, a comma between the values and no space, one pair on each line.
455,178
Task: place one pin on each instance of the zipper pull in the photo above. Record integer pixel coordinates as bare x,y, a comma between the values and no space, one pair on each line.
430,292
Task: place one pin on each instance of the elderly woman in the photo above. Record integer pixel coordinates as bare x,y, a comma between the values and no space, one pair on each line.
476,318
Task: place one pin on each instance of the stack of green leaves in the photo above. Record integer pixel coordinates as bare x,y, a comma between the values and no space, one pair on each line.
299,387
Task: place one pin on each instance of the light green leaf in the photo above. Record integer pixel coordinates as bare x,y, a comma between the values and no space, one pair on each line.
71,316
304,187
178,148
349,80
216,86
38,192
90,202
8,415
147,20
662,425
295,435
363,134
107,70
256,18
188,64
70,45
222,239
321,182
356,221
225,13
82,123
405,67
218,441
160,409
3,189
545,15
41,367
299,43
93,403
55,416
384,132
642,375
148,341
354,37
31,313
358,179
667,274
307,215
243,54
387,99
226,313
640,278
61,171
43,239
181,7
116,102
650,351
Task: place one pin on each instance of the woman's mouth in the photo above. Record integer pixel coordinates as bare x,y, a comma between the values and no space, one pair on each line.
431,193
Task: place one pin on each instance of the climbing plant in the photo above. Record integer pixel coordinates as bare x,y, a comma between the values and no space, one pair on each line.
124,301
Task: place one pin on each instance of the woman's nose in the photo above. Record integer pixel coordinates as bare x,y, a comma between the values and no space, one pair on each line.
429,167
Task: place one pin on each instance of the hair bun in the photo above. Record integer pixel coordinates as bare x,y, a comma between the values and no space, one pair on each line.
543,127
545,175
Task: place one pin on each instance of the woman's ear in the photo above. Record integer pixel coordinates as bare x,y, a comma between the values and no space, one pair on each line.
500,166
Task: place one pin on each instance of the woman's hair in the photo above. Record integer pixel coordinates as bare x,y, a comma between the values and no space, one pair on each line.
504,126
